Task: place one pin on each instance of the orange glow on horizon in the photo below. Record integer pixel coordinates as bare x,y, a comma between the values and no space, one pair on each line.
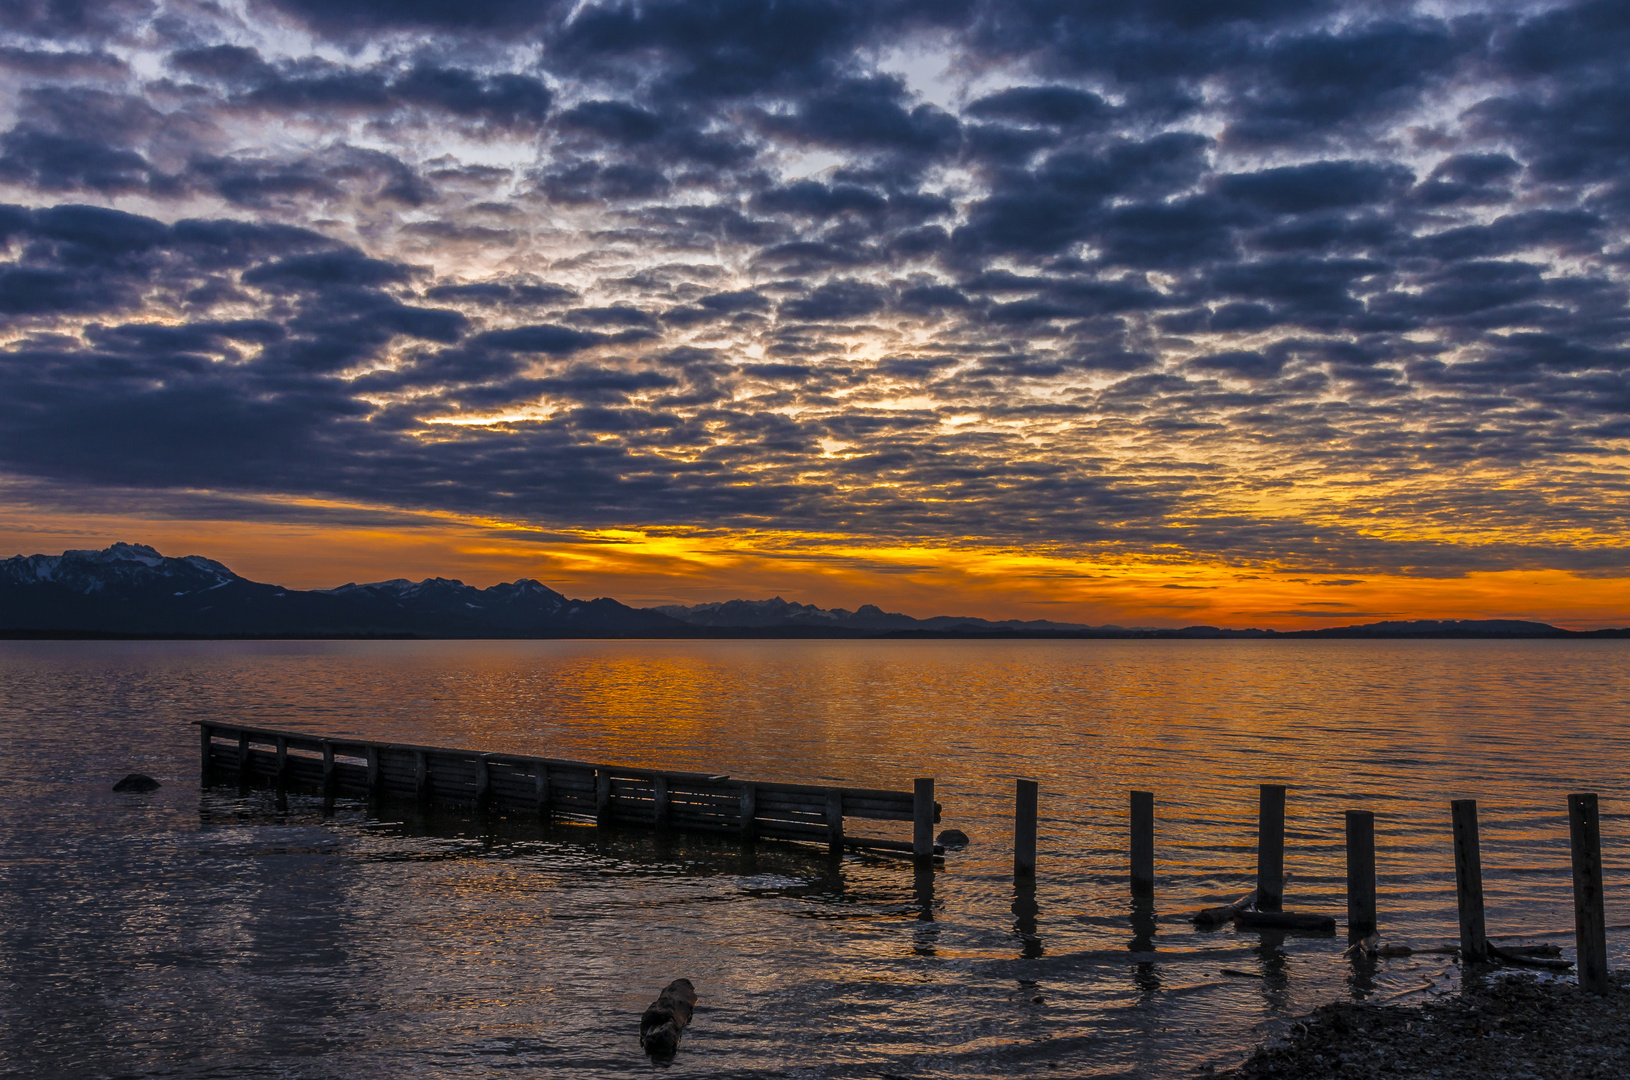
661,566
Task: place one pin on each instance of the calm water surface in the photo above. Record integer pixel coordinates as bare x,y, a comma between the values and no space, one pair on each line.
205,934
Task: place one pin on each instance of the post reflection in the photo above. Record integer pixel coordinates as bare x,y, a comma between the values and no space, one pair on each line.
925,936
1271,953
1361,979
1025,910
1145,973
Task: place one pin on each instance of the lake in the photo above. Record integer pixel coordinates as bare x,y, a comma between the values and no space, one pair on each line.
203,934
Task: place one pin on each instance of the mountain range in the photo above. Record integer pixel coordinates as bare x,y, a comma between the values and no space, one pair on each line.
130,590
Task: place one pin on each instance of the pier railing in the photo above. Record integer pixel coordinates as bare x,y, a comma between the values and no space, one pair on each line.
553,787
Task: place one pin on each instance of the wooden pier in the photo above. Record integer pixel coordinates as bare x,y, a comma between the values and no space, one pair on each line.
548,788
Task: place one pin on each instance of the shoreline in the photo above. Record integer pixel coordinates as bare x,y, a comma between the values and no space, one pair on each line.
1510,1027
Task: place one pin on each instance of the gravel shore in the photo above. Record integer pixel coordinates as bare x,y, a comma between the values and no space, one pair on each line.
1508,1028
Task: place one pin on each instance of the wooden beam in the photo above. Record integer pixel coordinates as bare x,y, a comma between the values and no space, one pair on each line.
1024,829
206,766
922,829
749,811
1589,918
602,796
662,805
1361,917
1270,848
1469,882
834,821
1143,843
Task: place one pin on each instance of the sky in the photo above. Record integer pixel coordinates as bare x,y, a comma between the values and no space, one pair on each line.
1239,312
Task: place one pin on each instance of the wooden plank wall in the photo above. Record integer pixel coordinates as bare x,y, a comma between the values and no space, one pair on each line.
551,787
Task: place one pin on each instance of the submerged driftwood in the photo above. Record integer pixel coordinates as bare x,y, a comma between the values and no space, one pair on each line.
665,1018
1208,918
1285,920
1528,956
1243,913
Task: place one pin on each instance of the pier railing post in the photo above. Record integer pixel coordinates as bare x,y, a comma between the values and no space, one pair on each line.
602,796
206,771
421,775
660,802
749,811
483,783
540,789
834,821
1361,917
1024,829
1143,843
376,779
243,758
1270,848
1589,918
328,769
922,823
1469,882
282,761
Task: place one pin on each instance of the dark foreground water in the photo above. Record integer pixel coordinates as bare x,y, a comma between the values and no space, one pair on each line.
210,934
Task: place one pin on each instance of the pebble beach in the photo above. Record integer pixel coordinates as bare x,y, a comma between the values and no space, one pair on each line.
1521,1027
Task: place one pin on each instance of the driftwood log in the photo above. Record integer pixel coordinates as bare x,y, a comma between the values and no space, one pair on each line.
1526,957
1208,918
1212,917
1285,920
665,1018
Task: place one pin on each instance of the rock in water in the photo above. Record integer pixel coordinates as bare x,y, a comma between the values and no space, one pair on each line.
666,1017
137,782
952,840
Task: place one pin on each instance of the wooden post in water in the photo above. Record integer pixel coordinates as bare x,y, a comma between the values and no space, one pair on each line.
749,810
602,797
540,789
328,768
1589,918
1270,848
1361,918
483,783
1469,882
206,770
282,760
834,821
661,804
421,776
243,758
376,779
922,820
1024,830
1143,843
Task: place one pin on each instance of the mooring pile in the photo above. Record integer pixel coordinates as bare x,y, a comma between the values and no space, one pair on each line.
1262,908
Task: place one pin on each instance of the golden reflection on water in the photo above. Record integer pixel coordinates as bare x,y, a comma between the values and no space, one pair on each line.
467,936
1396,727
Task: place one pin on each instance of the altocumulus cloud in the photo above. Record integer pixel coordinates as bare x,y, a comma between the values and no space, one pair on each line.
1096,276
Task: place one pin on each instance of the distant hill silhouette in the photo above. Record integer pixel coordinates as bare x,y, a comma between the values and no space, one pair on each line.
130,590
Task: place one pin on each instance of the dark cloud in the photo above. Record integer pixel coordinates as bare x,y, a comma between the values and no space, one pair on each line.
361,17
1323,185
543,338
657,258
